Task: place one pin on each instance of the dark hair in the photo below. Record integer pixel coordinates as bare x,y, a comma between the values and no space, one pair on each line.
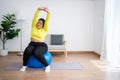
43,20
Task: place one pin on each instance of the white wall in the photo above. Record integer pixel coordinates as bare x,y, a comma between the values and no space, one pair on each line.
99,23
73,18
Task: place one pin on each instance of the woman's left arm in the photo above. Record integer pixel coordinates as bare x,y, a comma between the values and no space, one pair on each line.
47,19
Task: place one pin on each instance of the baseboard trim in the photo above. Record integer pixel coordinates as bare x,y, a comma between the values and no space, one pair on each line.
13,52
80,51
67,52
96,53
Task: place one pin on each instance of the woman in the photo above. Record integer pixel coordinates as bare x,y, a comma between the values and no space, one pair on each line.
37,47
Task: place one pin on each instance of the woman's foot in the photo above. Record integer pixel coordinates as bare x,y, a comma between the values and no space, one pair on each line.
47,69
23,68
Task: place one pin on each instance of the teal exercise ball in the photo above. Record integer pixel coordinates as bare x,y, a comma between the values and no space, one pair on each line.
34,63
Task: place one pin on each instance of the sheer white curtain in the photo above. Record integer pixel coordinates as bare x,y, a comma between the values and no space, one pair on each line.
111,38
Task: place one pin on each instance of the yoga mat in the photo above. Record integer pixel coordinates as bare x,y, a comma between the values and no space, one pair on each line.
54,66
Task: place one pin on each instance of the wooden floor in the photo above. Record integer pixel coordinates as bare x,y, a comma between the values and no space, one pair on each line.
93,69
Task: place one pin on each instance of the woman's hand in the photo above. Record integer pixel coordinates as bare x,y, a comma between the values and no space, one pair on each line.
44,9
41,8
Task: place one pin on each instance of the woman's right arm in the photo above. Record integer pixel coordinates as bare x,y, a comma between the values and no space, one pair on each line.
35,18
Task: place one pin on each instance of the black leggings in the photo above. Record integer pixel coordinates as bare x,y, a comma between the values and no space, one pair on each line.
37,49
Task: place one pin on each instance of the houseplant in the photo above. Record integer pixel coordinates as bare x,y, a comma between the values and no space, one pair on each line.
8,30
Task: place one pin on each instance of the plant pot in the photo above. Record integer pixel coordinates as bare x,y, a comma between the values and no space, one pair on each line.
3,52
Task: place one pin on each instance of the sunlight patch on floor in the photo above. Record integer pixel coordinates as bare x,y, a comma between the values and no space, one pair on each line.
104,66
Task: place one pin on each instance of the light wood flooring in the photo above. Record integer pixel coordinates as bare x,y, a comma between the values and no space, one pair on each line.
93,69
